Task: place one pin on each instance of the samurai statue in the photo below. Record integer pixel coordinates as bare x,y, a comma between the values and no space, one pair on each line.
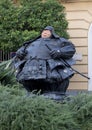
43,64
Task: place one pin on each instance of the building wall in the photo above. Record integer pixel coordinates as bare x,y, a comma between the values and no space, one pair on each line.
79,16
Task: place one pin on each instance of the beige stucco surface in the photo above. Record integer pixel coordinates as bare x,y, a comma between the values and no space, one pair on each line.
79,16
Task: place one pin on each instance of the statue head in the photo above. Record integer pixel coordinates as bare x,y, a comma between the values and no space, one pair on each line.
48,31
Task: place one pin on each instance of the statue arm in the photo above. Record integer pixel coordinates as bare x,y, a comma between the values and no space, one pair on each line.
21,53
66,50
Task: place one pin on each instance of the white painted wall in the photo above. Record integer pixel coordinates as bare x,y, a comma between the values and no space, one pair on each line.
90,58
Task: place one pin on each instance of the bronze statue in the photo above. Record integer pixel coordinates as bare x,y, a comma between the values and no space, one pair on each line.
44,63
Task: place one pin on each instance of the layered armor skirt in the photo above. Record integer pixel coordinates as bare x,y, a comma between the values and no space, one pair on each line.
46,70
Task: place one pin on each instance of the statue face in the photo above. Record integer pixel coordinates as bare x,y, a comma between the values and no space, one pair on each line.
46,34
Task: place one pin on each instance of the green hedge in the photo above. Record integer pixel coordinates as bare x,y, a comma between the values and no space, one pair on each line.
19,23
18,112
81,107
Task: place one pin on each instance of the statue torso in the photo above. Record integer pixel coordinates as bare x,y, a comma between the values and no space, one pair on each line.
39,50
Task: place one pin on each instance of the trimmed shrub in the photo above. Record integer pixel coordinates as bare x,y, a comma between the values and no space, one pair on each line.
22,22
81,107
18,112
